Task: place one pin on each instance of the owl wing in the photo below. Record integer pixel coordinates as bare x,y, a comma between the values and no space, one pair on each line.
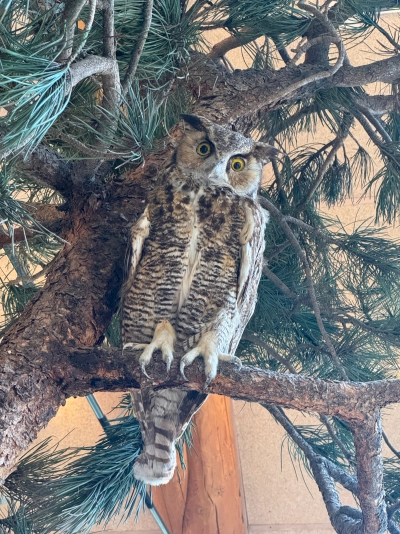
139,232
251,261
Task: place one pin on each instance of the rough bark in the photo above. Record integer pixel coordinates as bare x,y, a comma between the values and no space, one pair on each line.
47,168
225,97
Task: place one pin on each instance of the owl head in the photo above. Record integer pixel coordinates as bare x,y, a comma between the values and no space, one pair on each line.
215,155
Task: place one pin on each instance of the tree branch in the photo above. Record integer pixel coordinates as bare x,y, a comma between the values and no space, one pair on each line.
46,168
224,97
278,282
368,445
137,52
230,43
323,471
249,336
70,16
91,65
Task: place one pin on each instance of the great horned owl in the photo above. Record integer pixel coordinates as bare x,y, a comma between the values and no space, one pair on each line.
194,266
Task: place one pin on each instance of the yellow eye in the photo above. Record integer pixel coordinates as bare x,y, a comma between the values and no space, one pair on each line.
238,164
203,149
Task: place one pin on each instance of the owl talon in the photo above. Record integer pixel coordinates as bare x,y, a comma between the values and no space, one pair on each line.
182,370
163,339
208,349
143,368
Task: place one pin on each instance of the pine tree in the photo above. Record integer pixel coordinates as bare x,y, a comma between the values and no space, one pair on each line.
91,92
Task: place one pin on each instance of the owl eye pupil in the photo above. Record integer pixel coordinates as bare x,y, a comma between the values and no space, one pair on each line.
204,149
238,164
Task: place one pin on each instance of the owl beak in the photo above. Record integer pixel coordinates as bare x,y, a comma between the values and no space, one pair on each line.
218,173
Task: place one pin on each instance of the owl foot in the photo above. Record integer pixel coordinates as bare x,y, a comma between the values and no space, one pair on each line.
163,339
208,349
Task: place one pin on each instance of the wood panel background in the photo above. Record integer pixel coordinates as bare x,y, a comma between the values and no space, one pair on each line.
208,499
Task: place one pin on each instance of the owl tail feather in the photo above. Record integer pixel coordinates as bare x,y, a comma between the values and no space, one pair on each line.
153,470
163,416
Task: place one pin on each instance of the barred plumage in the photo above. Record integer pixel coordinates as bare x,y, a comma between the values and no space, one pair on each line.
194,266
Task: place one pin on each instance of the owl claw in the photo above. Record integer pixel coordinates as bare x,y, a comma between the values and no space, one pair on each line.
163,339
182,370
208,349
143,368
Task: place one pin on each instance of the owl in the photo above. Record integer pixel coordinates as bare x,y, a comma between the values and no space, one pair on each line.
193,269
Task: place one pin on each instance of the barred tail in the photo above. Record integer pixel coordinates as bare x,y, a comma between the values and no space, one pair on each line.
163,416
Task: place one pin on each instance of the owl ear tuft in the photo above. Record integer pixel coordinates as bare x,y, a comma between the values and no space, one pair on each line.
265,152
194,121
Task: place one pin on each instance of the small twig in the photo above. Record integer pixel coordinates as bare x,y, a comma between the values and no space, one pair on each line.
88,27
276,251
231,42
386,440
215,25
278,282
303,47
134,61
110,81
323,17
92,152
282,51
335,39
109,42
375,122
338,442
392,41
393,508
30,278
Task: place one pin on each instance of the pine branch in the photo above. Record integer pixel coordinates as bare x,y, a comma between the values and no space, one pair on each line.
379,104
324,471
349,457
375,122
47,215
249,336
278,282
336,145
394,451
312,295
137,52
88,27
92,65
71,13
82,147
224,96
230,43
